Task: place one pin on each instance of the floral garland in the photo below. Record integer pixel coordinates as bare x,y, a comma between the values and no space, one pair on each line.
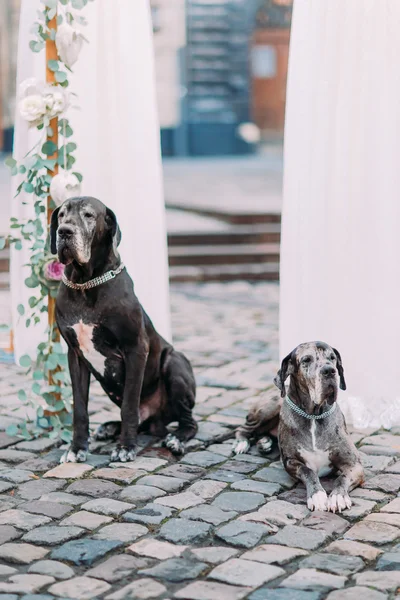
38,104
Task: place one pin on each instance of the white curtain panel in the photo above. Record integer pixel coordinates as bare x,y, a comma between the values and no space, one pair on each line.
116,129
341,211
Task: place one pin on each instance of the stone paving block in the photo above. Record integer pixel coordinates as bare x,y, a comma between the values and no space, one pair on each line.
6,571
187,472
25,584
5,487
141,493
375,463
141,589
240,467
180,501
390,561
275,475
144,463
81,588
96,488
299,537
297,495
226,476
124,532
224,449
273,553
84,552
206,488
54,568
359,508
204,590
279,513
118,567
22,553
249,485
369,495
33,490
64,498
156,549
203,459
313,580
107,506
151,514
245,572
326,521
15,475
52,535
242,534
162,482
15,456
389,518
350,548
387,482
392,507
176,570
8,533
85,519
355,593
54,510
183,531
69,471
7,440
209,514
379,450
214,432
373,532
387,581
239,501
387,440
121,474
22,520
214,554
39,445
333,563
393,467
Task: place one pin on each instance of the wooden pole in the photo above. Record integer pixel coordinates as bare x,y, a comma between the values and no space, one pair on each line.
52,54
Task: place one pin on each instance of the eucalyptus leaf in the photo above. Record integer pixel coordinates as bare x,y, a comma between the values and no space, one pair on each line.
22,395
61,76
21,309
25,361
10,162
18,245
49,148
12,430
3,241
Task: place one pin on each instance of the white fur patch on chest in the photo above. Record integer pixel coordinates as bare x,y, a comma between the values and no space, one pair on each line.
84,334
317,460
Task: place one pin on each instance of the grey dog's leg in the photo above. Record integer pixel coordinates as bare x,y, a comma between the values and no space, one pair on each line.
316,495
351,476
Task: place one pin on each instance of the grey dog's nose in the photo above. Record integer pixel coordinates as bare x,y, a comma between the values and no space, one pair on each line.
327,370
65,232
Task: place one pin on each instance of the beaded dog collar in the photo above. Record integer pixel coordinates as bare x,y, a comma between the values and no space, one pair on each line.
93,282
301,412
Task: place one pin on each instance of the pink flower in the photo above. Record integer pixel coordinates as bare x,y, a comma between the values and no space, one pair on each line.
54,270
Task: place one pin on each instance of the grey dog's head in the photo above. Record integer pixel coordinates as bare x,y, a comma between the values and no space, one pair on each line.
80,228
315,368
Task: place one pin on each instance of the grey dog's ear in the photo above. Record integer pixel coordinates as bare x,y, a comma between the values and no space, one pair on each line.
283,373
53,230
112,223
340,369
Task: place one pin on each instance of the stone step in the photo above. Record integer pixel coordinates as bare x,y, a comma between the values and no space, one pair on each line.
266,233
247,272
223,255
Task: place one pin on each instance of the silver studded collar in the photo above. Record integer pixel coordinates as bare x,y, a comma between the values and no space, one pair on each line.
301,412
93,282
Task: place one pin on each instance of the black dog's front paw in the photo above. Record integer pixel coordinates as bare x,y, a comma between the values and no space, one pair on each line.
123,454
73,455
174,445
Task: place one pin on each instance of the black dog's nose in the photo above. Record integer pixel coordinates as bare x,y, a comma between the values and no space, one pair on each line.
65,232
327,370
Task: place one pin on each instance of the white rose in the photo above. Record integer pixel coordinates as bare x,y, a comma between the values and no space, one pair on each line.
249,132
69,44
33,108
64,185
60,102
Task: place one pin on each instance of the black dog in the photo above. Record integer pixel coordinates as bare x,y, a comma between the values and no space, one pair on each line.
110,336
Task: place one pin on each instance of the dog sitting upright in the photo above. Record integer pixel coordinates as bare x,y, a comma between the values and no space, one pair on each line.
110,336
312,432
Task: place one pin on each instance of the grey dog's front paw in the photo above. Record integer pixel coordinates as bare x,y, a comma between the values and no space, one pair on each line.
174,445
123,454
70,456
240,447
338,501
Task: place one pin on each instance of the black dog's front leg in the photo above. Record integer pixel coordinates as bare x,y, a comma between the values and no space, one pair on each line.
80,379
135,363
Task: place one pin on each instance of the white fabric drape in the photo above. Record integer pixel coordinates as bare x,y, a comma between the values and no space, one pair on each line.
341,210
116,129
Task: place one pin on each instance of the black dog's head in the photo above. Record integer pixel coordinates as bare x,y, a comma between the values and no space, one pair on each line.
80,227
316,367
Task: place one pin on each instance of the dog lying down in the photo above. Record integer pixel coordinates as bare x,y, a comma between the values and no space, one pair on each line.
310,426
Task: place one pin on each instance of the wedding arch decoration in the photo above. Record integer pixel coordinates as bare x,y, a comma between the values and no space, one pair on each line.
48,176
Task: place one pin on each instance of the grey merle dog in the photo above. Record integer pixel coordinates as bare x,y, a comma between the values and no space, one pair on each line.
110,336
312,433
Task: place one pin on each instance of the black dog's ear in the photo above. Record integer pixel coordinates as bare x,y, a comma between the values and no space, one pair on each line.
340,369
283,373
53,230
112,223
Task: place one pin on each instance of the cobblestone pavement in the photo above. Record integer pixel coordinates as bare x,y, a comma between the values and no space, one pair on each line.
205,527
